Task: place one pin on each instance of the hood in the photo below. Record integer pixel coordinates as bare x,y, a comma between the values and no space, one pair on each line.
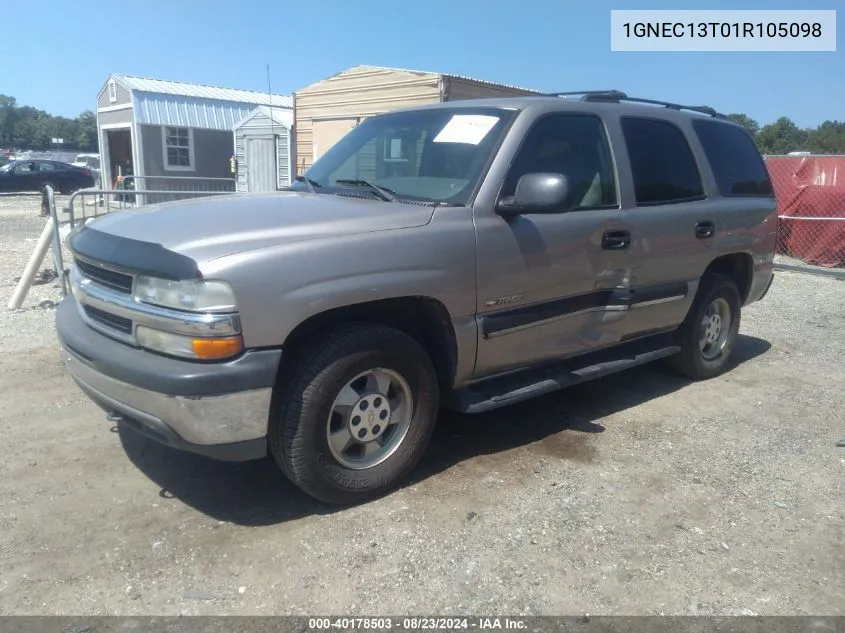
215,226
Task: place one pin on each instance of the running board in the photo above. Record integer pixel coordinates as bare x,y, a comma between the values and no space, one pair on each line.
497,392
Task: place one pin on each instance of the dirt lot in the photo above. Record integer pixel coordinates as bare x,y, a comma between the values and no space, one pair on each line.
639,494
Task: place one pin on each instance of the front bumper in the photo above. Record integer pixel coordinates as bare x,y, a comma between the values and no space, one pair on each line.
216,409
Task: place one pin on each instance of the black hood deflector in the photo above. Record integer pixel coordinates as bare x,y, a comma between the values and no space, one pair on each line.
146,258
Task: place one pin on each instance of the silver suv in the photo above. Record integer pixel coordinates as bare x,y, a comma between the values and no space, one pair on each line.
465,255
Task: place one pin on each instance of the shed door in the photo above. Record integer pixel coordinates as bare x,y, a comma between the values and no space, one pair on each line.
261,172
329,132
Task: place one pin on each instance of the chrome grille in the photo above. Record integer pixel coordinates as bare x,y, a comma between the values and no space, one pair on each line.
106,277
119,323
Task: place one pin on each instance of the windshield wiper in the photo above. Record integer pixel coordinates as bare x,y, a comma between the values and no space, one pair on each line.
313,185
383,192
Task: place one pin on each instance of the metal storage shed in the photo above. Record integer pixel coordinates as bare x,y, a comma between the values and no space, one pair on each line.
166,130
325,111
263,150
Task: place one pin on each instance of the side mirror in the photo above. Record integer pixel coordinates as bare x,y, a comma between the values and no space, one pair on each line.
536,193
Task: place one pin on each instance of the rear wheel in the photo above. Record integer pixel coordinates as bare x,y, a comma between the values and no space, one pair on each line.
69,188
355,414
708,334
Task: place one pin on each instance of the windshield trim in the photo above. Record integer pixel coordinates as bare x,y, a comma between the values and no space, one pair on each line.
507,114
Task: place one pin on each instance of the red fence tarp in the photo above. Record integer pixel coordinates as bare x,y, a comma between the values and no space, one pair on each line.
810,187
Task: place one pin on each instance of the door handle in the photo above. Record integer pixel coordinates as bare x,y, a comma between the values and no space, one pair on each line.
615,240
705,229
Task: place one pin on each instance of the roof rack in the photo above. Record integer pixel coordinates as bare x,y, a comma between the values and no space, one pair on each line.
616,96
611,95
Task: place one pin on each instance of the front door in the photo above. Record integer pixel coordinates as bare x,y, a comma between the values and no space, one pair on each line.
24,177
552,285
261,169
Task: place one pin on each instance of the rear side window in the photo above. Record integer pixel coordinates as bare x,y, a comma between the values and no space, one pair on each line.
736,163
663,165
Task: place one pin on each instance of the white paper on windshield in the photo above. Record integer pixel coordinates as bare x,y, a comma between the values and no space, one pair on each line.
466,128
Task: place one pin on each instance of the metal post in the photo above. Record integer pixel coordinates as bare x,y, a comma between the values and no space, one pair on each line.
58,258
32,265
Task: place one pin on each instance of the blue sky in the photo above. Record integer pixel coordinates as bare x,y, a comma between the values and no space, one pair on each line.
58,57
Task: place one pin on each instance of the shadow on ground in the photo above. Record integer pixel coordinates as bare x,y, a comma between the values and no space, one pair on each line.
256,493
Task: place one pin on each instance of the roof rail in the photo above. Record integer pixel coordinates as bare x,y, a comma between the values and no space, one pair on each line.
617,96
613,95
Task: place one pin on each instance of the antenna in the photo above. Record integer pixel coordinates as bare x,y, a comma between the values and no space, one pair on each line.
272,126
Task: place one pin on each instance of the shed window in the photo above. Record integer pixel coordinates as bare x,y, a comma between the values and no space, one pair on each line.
178,148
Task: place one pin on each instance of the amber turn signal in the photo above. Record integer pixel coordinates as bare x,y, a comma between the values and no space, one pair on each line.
214,348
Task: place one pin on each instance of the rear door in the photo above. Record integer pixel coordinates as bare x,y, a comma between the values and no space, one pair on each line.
548,284
674,221
54,173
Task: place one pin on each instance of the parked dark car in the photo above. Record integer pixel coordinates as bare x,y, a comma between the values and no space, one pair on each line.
34,175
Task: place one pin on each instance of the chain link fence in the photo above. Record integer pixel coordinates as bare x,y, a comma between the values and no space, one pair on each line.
810,191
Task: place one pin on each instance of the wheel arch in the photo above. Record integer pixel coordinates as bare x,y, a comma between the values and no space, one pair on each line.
425,319
739,267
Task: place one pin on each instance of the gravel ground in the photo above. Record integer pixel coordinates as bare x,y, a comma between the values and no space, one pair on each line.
637,494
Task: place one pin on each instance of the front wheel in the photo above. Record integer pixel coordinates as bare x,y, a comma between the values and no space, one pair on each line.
708,334
355,413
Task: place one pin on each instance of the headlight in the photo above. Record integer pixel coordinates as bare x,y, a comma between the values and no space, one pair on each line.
195,295
188,346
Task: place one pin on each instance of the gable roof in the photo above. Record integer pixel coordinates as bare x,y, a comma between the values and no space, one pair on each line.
441,74
280,117
200,91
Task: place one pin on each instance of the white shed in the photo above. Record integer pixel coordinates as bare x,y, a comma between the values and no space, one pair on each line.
263,149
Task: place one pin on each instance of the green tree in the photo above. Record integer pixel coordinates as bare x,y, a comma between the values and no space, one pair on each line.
828,138
781,137
750,125
24,127
85,134
8,114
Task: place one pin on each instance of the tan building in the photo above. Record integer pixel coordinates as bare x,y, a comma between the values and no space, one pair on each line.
325,111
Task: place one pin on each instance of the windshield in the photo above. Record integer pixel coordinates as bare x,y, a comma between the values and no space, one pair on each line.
89,161
435,155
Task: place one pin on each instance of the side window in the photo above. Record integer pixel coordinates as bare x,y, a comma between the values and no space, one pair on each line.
736,163
25,168
663,165
46,167
576,146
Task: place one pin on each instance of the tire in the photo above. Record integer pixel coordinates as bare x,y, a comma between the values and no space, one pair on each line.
692,361
69,188
304,413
